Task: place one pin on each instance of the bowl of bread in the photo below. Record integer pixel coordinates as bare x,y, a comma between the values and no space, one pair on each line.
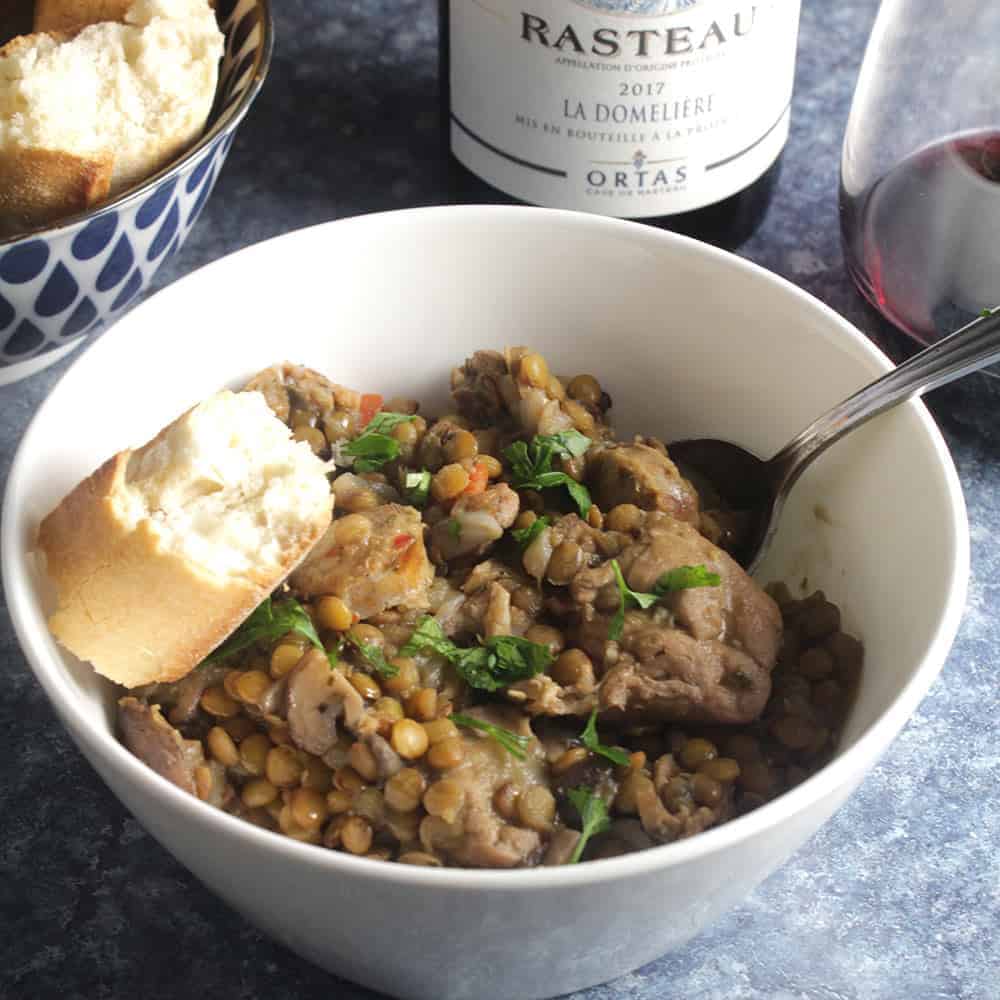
116,117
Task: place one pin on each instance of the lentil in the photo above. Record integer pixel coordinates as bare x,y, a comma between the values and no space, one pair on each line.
216,702
409,739
356,835
283,659
405,789
332,613
222,747
446,754
448,482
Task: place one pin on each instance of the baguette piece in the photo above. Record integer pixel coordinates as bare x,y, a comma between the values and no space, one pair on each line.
165,550
87,115
40,186
72,15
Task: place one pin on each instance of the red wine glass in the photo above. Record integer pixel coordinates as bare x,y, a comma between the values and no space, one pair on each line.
920,173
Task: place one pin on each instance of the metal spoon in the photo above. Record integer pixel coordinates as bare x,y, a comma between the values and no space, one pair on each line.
760,487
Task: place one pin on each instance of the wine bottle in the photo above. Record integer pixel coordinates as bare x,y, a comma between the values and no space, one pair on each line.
670,112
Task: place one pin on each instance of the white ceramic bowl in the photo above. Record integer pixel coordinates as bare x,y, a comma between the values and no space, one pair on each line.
689,341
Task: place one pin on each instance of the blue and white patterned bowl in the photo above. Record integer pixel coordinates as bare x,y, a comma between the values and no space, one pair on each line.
59,284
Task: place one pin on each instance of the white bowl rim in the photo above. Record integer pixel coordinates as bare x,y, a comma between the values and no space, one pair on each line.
187,808
223,124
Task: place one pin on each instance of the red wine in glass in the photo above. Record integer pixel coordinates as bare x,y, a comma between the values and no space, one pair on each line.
923,242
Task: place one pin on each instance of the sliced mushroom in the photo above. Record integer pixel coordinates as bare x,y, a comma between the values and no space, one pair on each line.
317,696
656,821
157,744
561,847
273,698
182,697
512,847
387,761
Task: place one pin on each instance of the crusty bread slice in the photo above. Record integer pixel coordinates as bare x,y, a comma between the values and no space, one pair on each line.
84,116
39,186
72,15
163,551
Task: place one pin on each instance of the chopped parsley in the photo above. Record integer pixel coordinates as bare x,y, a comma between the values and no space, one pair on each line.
531,464
428,636
268,622
418,487
686,577
373,447
590,740
525,536
333,655
496,663
566,444
514,745
679,578
373,655
454,528
626,598
593,815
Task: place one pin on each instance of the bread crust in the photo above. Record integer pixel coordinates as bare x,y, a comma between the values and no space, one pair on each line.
136,611
40,186
72,15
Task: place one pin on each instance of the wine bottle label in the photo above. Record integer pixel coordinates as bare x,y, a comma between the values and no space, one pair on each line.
632,108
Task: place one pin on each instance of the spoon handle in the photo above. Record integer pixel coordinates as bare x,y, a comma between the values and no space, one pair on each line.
966,350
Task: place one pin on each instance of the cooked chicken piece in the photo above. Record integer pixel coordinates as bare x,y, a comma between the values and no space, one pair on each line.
662,673
642,475
737,612
294,390
490,386
476,522
488,840
476,388
478,608
699,654
157,744
372,561
498,500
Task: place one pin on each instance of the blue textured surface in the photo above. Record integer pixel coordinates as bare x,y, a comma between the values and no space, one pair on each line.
896,899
